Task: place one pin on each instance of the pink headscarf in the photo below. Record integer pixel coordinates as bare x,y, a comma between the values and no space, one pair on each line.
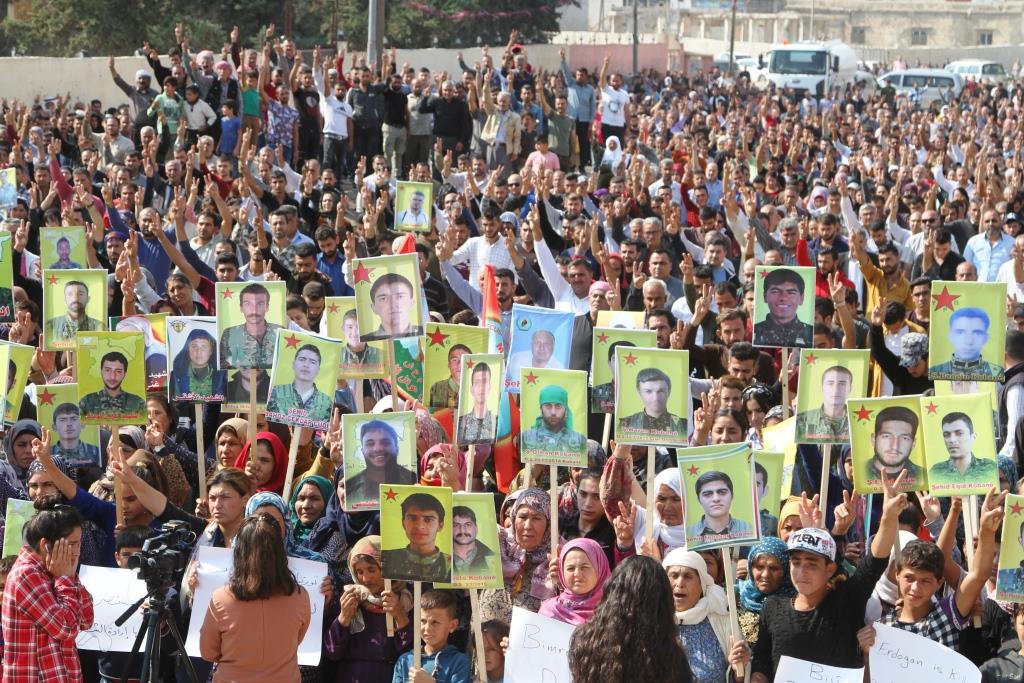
568,607
425,460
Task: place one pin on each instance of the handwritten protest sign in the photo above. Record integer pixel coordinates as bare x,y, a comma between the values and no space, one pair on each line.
214,568
113,591
18,514
898,656
538,649
792,670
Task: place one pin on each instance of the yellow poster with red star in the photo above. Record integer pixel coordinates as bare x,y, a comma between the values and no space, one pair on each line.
73,301
718,488
885,436
249,316
19,365
652,396
602,362
966,335
828,377
554,410
1010,577
389,299
304,379
959,445
359,360
446,345
57,409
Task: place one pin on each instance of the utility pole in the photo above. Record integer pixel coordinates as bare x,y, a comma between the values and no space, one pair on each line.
375,33
812,20
732,39
636,38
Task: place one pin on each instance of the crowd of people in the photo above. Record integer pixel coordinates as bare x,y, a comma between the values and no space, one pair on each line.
586,191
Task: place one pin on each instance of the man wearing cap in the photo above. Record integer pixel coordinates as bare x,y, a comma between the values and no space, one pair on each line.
784,293
893,440
413,218
968,335
653,387
552,431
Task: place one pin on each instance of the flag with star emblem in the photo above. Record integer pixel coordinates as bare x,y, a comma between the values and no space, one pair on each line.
303,380
554,409
359,360
966,337
1010,577
73,301
57,409
885,435
652,397
959,444
718,487
249,316
445,346
416,533
20,364
389,297
379,449
828,377
541,338
602,362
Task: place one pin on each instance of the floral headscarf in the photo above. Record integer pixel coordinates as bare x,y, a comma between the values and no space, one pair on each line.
293,549
751,596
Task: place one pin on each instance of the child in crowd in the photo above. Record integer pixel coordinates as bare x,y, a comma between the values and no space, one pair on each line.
230,130
440,661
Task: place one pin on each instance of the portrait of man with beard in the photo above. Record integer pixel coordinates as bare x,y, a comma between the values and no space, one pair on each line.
378,447
63,328
893,440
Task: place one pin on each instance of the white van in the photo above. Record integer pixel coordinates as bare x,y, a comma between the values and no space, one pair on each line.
932,84
978,70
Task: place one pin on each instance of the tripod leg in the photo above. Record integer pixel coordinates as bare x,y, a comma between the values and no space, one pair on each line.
151,667
180,645
134,652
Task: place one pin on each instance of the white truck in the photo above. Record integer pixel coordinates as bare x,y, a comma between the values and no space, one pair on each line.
811,65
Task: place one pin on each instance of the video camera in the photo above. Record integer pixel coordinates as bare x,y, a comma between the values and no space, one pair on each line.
163,557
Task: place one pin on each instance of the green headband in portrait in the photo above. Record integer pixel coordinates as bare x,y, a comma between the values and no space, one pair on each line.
555,394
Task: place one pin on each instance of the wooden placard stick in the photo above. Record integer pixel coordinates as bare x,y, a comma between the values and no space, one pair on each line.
293,452
651,494
118,491
730,591
201,450
478,634
388,619
607,434
393,374
785,382
826,465
417,651
470,457
253,373
553,488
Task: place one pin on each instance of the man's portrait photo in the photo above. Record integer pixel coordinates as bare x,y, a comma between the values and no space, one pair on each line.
248,333
444,393
376,453
892,441
470,556
300,402
964,344
714,492
828,422
478,418
653,387
112,402
541,339
553,436
412,206
237,391
358,359
963,465
769,522
602,396
392,300
423,520
650,406
71,308
779,306
67,425
1010,577
63,261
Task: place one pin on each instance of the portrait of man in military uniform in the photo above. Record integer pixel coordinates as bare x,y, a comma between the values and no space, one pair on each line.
379,447
112,400
603,395
769,522
237,391
963,465
471,557
783,291
356,353
715,493
553,428
251,344
829,422
63,261
479,424
893,440
63,328
445,393
67,424
301,398
421,560
653,387
968,335
1010,579
392,298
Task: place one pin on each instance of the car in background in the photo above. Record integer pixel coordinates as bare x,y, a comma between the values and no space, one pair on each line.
979,70
931,85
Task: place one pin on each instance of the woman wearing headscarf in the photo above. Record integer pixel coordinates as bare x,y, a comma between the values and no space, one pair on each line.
194,372
1007,473
18,449
228,441
619,487
702,612
436,470
524,558
358,638
337,531
269,464
582,573
768,564
429,432
307,505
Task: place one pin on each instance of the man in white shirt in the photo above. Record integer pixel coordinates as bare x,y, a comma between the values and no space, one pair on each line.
614,103
1012,272
413,218
488,247
337,115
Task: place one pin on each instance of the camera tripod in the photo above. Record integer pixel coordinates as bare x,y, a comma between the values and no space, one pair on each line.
156,615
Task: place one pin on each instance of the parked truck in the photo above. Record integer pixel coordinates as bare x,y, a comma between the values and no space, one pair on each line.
811,65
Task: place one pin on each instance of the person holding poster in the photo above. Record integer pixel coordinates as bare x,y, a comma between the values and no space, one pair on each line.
113,404
375,454
81,312
250,344
644,383
884,438
784,317
389,298
478,414
420,553
715,494
968,334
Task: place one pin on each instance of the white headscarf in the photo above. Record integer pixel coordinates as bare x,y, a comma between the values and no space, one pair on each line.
672,536
713,606
612,157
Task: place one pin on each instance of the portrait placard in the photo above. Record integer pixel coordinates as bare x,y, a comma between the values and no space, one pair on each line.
379,449
479,398
945,387
8,187
959,445
476,560
112,378
153,327
602,362
718,482
19,365
1010,576
769,467
6,277
57,408
416,533
541,338
780,437
442,365
359,360
414,204
828,377
192,346
16,517
651,408
303,380
967,339
249,315
621,320
73,301
885,434
236,393
553,405
784,306
63,248
389,298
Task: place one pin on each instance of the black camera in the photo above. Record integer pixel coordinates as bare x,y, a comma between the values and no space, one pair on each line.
163,557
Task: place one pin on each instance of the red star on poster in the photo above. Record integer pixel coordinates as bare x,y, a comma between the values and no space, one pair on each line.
390,494
692,470
603,338
362,273
764,273
944,299
931,408
630,359
437,337
333,308
227,293
291,342
810,359
531,378
863,413
1016,508
52,279
469,364
46,398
